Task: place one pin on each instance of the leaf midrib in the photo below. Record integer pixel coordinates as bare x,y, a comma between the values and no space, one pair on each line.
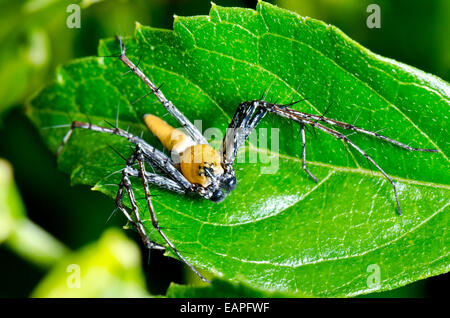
321,261
360,171
363,172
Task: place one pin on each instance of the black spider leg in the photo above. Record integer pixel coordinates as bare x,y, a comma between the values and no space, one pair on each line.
321,117
141,161
302,131
245,119
152,155
302,119
159,181
341,136
126,183
153,178
343,125
296,102
121,170
149,93
143,153
137,65
183,120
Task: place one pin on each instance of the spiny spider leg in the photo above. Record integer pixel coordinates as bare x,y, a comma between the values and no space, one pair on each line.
190,128
303,118
152,155
158,180
137,223
140,159
244,115
143,153
245,119
357,129
339,135
302,131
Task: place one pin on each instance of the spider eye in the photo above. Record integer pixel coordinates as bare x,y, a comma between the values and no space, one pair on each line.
218,196
229,184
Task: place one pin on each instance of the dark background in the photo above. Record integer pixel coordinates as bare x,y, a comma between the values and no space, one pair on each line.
413,32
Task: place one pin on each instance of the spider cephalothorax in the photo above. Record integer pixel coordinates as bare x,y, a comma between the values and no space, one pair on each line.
196,167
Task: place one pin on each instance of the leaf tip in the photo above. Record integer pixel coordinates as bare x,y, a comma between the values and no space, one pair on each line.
137,25
259,5
260,2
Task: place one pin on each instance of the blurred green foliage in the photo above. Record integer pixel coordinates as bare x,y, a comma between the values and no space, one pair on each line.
18,232
11,207
34,40
110,267
415,32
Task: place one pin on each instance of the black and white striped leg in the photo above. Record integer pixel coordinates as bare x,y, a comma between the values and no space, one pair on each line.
125,183
141,162
341,136
347,126
152,155
179,116
245,119
143,153
312,120
302,131
158,180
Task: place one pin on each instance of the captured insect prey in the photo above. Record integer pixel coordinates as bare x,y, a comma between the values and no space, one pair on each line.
196,167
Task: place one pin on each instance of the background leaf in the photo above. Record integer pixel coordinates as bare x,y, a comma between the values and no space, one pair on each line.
221,288
110,267
19,233
278,230
11,208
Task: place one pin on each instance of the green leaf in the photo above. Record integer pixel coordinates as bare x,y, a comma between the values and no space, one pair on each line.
24,52
221,288
25,34
11,206
19,233
110,267
278,231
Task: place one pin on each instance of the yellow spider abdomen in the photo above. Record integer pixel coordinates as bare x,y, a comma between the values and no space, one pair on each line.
195,159
173,139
